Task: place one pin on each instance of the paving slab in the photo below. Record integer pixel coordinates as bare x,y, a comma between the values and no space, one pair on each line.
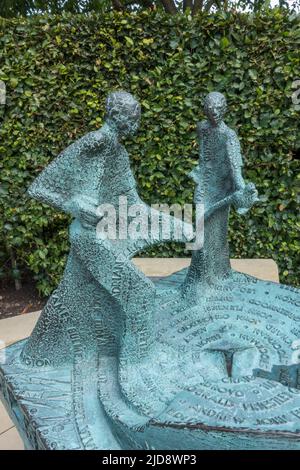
265,269
16,328
11,440
5,421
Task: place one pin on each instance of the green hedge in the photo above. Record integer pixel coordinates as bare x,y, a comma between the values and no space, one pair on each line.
58,71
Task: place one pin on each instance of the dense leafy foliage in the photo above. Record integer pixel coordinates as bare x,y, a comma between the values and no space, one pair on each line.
58,71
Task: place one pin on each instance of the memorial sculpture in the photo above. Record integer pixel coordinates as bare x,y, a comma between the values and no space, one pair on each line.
202,359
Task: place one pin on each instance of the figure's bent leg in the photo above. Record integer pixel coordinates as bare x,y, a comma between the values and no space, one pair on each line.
48,343
134,292
69,309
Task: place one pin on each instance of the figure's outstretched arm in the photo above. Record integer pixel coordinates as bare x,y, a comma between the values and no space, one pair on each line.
59,183
45,195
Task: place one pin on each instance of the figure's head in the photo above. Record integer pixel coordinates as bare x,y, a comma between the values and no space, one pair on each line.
215,107
123,112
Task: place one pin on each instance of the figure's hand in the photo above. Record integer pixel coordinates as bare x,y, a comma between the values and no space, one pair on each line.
194,174
85,209
244,198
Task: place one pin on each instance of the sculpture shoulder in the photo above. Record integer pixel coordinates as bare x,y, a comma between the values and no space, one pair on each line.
90,142
202,126
233,144
74,155
230,133
63,174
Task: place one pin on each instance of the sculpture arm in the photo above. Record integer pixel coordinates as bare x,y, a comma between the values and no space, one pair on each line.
52,198
195,174
79,206
235,158
245,195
